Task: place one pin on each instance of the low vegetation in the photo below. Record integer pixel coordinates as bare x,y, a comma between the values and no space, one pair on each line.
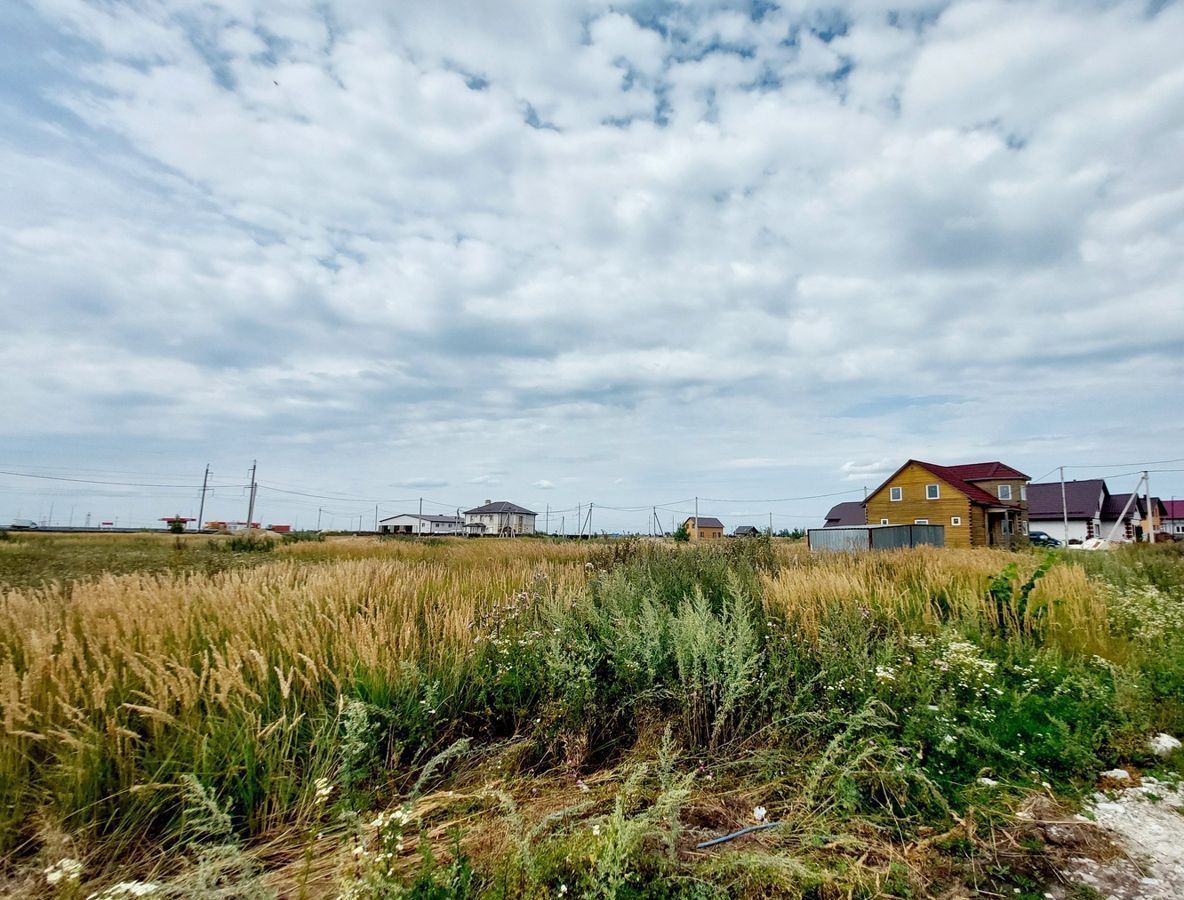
522,718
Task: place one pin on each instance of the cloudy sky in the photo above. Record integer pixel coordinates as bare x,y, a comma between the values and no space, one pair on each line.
568,252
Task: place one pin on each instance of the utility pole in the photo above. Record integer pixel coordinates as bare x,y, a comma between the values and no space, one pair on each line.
201,509
590,505
419,521
1150,513
547,526
695,536
320,509
770,524
1064,507
563,525
580,519
376,518
251,504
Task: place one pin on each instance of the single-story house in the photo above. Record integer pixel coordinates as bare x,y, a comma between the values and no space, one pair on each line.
1134,525
1083,502
503,518
413,523
704,528
746,531
849,512
1093,512
980,504
1173,522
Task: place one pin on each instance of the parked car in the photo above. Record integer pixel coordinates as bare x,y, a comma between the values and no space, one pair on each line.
23,524
1042,539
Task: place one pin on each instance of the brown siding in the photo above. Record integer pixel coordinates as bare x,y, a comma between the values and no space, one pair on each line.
978,527
705,533
912,480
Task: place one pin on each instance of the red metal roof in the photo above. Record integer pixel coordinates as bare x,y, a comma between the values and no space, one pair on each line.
951,476
987,471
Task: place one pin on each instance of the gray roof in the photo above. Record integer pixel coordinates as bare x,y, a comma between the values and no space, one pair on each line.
445,520
707,522
850,512
1083,499
500,507
746,529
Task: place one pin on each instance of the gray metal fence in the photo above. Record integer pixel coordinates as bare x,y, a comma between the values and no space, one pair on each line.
876,537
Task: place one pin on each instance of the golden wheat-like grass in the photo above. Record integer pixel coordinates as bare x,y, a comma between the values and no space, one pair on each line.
925,586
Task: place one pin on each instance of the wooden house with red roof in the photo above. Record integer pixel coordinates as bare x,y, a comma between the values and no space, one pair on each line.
980,504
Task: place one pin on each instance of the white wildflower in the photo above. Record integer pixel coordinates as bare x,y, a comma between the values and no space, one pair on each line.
67,869
596,831
324,788
126,889
759,813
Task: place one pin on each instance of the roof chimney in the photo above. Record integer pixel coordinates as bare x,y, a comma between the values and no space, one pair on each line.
487,502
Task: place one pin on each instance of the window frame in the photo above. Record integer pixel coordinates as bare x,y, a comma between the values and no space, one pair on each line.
895,494
936,492
886,522
920,521
1002,488
955,520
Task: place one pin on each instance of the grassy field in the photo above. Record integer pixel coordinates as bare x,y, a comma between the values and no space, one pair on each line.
523,718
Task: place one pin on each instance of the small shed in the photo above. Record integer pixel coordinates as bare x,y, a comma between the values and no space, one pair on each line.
876,537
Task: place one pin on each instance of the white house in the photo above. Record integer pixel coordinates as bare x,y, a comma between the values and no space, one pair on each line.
412,523
502,518
1083,502
1173,522
1092,511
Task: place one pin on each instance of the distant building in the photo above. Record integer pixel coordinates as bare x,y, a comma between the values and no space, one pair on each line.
413,523
844,514
1173,522
1136,522
1083,502
980,504
704,528
502,518
746,531
1093,512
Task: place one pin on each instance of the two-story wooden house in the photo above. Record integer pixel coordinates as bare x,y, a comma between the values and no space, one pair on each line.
980,504
704,528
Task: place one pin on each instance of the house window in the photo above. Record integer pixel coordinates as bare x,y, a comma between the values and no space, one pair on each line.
895,494
885,522
955,520
1023,492
920,521
932,492
1005,492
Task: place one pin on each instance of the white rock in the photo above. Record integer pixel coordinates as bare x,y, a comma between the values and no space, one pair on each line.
1162,744
987,782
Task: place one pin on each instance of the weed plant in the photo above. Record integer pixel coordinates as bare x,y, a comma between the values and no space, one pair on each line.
519,718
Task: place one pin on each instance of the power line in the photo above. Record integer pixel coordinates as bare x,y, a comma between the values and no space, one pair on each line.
194,487
1141,466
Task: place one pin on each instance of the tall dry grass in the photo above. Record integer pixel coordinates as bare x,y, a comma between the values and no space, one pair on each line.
112,688
925,587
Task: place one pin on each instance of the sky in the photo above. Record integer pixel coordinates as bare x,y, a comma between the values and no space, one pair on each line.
572,252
